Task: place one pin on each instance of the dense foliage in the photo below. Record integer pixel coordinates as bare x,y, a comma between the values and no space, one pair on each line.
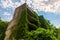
35,28
42,34
58,33
3,26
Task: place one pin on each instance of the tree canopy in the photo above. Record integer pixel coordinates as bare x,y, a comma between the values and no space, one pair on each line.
38,29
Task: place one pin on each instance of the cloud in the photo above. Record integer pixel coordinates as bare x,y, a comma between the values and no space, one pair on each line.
58,26
41,5
47,5
6,14
6,3
7,19
9,3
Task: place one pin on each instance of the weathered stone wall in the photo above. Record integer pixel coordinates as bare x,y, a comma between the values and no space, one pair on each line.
30,22
14,21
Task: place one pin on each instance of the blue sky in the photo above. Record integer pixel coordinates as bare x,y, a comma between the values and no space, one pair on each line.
50,9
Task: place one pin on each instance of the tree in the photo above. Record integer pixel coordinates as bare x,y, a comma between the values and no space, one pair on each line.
58,33
45,23
3,26
41,34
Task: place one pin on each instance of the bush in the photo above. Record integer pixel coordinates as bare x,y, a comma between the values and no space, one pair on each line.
41,34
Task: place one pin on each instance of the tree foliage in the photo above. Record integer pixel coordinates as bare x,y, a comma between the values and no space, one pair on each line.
58,33
42,34
3,26
31,28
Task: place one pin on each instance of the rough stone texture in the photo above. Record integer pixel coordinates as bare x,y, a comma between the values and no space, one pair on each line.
14,22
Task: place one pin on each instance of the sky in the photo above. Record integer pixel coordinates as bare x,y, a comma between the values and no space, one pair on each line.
50,9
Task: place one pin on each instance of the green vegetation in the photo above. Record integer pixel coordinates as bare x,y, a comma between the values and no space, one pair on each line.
31,27
3,27
58,33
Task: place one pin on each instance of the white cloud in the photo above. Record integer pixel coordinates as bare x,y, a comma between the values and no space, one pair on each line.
47,5
6,3
9,3
6,14
9,18
42,5
58,26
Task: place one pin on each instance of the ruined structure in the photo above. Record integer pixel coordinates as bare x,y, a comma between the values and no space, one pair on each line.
24,20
